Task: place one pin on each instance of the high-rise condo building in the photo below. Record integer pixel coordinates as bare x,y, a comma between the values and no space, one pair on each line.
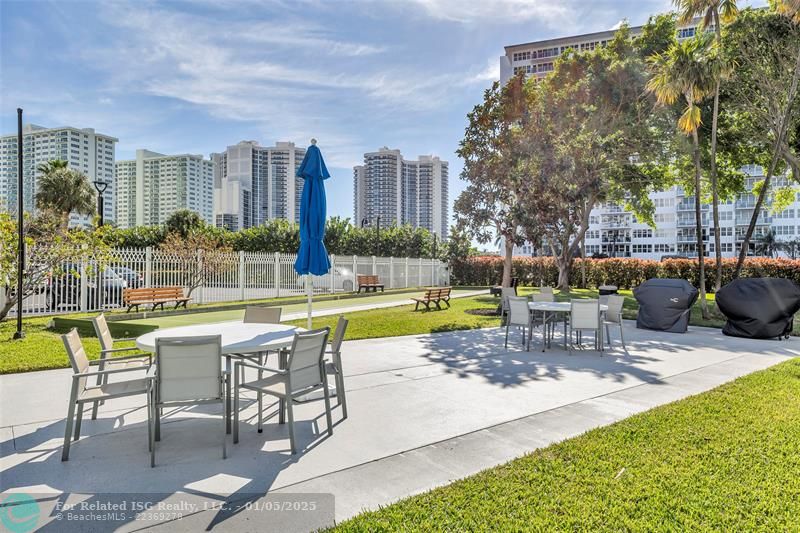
84,150
253,184
617,233
401,191
153,186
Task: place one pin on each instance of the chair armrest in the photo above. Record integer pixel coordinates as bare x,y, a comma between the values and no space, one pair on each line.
121,358
151,372
114,350
259,367
126,339
104,372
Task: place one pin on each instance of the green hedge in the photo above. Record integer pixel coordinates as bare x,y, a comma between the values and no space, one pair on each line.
625,273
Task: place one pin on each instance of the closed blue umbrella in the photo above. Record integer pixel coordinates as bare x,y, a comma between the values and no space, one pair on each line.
312,257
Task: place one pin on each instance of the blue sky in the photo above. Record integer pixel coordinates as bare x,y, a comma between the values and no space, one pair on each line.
177,77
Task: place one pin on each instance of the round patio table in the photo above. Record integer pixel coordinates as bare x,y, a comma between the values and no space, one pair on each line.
548,308
237,337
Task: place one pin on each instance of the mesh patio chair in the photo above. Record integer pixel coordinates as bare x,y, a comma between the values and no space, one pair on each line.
546,290
143,361
81,393
305,373
254,314
335,365
505,292
613,317
188,371
518,315
585,316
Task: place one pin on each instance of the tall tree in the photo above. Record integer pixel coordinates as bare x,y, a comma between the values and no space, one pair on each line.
590,137
687,71
183,222
51,166
712,12
489,207
763,95
63,191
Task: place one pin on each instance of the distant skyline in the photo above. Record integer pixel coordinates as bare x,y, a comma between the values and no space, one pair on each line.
196,77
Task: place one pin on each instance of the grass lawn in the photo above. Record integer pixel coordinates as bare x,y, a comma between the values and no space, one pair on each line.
724,460
42,349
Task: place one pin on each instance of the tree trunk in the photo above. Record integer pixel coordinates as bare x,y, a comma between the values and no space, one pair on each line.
714,186
509,244
564,262
699,225
583,262
775,154
10,302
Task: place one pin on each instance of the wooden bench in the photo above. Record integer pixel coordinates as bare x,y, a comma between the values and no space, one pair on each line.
436,295
155,296
369,282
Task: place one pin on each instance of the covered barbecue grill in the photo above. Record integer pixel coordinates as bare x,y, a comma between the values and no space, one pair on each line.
759,308
664,304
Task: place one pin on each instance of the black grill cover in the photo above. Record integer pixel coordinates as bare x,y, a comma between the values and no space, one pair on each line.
664,304
759,308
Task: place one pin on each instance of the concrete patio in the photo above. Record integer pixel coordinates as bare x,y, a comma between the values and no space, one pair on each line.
423,411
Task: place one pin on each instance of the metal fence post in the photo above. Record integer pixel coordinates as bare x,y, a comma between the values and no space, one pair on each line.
241,274
406,276
391,272
419,273
148,267
434,277
201,288
374,266
333,274
84,284
355,272
277,275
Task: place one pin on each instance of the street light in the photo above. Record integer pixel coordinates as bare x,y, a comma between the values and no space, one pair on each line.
434,245
101,187
19,334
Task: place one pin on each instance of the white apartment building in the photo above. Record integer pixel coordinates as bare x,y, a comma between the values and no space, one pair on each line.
253,184
153,186
615,232
85,150
402,191
537,58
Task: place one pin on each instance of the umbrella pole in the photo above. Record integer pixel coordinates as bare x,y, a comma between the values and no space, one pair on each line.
310,291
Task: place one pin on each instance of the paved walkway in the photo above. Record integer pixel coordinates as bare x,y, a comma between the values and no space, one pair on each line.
424,410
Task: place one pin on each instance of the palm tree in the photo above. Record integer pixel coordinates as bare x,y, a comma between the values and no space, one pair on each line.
713,12
64,190
768,244
790,8
51,166
688,71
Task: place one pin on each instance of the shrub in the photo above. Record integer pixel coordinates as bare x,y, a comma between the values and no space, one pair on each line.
625,273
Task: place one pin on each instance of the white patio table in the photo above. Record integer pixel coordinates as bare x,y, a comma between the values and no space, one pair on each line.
237,337
552,308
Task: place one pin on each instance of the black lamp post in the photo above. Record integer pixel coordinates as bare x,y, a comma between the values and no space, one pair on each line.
19,334
434,245
101,187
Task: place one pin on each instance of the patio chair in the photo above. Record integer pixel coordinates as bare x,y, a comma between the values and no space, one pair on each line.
505,292
546,290
188,371
143,361
543,297
585,316
518,315
254,314
613,317
305,373
335,365
81,393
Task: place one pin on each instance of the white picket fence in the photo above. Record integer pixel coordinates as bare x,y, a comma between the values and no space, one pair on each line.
84,285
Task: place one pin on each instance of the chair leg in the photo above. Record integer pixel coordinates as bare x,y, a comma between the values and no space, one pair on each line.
327,403
228,367
260,394
157,419
621,338
225,419
340,392
100,381
78,420
507,326
150,423
608,335
69,422
288,401
236,407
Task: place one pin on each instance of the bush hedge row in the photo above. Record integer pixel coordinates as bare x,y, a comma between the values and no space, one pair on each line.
625,273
